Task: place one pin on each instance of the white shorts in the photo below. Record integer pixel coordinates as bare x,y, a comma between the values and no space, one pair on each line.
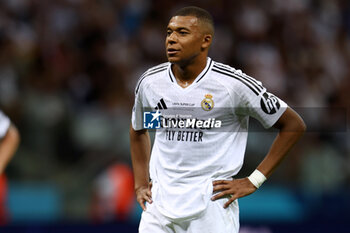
215,219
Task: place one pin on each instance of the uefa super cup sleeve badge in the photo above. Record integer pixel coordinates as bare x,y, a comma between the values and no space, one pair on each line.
207,103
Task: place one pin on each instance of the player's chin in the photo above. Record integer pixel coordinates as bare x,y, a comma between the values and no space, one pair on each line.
173,59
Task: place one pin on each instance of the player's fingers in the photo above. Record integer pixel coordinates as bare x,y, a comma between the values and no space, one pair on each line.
142,204
149,193
143,197
149,197
217,182
218,188
220,195
232,199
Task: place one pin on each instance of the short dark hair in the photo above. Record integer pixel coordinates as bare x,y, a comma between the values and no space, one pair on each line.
197,12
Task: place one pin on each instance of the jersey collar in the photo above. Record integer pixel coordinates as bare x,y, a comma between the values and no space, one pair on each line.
199,77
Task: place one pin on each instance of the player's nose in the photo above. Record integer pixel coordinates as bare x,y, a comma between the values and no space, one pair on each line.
171,39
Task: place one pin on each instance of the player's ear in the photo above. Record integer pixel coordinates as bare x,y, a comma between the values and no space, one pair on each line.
207,39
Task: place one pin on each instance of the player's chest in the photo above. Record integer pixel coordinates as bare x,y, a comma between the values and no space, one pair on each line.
205,97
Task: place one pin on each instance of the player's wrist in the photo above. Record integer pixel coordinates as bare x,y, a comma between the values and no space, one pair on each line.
141,186
257,178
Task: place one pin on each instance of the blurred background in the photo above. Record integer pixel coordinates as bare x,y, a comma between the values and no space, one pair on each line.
68,69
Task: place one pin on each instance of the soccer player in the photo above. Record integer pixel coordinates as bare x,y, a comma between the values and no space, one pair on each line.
185,184
9,140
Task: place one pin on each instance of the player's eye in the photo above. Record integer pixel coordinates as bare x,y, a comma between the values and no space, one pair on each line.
168,33
183,32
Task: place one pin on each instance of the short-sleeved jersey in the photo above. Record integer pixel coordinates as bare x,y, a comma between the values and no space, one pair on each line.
4,124
185,160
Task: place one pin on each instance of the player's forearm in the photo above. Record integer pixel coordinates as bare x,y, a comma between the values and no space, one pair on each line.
291,128
140,146
279,149
8,147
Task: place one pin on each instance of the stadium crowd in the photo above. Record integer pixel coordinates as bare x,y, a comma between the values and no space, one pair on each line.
68,69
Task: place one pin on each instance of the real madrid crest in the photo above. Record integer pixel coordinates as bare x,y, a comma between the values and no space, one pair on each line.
207,103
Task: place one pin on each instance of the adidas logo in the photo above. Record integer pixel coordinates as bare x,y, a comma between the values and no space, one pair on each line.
161,105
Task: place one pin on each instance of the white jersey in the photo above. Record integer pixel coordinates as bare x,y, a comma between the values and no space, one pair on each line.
4,124
186,159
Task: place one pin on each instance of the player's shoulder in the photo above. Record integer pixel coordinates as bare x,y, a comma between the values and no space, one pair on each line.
2,114
150,74
226,70
236,78
4,124
156,69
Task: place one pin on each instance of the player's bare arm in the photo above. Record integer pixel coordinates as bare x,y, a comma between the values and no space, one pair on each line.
8,146
291,128
140,145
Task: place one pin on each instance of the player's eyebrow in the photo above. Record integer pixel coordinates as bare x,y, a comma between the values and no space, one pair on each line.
178,28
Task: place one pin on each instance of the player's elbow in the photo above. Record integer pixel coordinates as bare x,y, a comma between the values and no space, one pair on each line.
300,126
14,135
290,121
303,126
296,125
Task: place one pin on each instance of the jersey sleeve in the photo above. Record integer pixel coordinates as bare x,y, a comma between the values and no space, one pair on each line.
257,102
4,124
137,110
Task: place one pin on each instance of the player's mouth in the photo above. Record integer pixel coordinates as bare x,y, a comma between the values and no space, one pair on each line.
172,51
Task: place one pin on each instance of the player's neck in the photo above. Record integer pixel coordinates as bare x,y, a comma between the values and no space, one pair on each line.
186,74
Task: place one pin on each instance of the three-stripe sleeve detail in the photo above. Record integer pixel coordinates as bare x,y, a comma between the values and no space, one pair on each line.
230,69
150,72
245,79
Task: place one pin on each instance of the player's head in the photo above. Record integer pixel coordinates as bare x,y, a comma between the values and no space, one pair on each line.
204,17
189,34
